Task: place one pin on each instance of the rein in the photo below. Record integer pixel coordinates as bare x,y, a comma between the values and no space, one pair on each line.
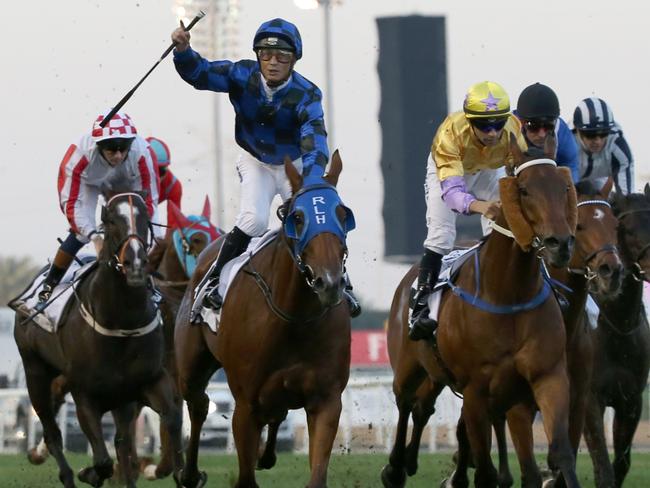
268,294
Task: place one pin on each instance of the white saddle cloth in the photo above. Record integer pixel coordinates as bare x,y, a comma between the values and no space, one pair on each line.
228,273
49,318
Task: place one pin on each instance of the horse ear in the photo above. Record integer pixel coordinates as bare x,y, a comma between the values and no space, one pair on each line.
332,176
646,191
515,150
511,208
550,145
206,208
295,178
179,220
572,199
607,188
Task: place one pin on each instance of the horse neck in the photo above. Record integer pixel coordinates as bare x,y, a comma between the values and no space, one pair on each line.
508,274
577,298
170,265
288,285
113,303
624,310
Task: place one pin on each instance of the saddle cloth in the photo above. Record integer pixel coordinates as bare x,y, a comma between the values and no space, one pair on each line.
49,318
451,264
228,273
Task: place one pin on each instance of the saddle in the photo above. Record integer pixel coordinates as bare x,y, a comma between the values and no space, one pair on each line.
50,317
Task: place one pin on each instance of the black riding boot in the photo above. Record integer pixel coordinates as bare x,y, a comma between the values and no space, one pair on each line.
353,301
421,326
233,245
59,266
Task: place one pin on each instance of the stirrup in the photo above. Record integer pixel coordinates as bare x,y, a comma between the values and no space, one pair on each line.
45,294
212,299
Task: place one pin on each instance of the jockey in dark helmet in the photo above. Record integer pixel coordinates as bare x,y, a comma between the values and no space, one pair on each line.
278,113
538,109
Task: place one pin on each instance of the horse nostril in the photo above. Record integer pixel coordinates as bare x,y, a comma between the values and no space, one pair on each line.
318,283
605,270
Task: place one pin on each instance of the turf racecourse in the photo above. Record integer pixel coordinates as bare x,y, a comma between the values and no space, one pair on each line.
346,471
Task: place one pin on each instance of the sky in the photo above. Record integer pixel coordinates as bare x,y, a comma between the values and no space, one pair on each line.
65,62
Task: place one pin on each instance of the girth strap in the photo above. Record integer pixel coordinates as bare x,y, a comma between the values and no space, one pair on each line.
90,320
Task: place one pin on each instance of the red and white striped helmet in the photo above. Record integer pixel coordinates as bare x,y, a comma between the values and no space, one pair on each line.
120,126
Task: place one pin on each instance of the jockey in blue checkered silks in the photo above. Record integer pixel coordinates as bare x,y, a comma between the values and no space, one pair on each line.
278,113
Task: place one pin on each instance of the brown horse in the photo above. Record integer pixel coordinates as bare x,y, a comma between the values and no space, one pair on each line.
595,268
109,347
174,260
284,334
497,355
622,346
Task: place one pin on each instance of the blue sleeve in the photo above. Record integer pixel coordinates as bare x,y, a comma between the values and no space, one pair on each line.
201,73
567,150
313,136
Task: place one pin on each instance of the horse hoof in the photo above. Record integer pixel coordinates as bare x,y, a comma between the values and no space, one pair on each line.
89,475
548,483
266,462
149,472
35,457
182,482
392,477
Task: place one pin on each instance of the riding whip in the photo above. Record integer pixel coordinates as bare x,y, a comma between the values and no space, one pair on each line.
126,97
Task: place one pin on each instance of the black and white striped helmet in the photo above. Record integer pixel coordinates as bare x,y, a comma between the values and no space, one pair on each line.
593,114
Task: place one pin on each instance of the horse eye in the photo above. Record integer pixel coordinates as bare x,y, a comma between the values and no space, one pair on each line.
298,218
523,191
579,227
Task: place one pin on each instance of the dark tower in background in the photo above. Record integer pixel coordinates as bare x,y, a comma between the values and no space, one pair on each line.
412,71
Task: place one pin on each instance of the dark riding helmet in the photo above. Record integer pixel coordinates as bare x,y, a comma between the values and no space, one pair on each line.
278,34
593,115
538,102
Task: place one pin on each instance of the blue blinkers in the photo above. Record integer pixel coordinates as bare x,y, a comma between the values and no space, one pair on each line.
313,212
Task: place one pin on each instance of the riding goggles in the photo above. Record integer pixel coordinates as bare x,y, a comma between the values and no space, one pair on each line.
283,56
594,135
489,124
537,125
114,145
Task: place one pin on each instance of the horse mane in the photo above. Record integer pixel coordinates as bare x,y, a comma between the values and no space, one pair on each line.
157,253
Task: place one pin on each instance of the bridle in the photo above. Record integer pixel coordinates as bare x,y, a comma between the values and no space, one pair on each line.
637,272
116,261
587,272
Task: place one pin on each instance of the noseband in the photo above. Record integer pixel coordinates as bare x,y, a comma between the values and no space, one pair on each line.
117,260
638,273
587,272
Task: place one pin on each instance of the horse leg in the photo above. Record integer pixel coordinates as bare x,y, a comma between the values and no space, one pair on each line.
408,378
160,397
594,432
626,419
38,454
551,393
323,420
39,379
268,458
459,478
166,464
125,417
246,431
422,410
520,421
504,476
90,421
479,432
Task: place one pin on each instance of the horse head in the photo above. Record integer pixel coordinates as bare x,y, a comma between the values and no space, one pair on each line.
633,213
126,235
596,254
539,202
191,234
316,223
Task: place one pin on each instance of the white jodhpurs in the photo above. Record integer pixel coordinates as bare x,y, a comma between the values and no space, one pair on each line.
441,220
260,182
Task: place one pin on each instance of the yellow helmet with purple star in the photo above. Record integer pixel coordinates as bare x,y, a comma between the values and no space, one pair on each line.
486,100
